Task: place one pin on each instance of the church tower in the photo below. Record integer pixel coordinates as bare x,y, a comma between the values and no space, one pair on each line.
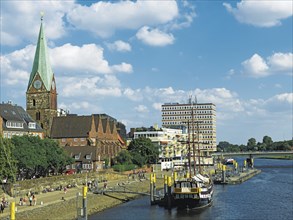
41,94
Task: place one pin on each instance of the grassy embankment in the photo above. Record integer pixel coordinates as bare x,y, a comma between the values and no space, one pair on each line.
56,208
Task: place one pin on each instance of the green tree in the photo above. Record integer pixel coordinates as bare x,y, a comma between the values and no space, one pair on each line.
143,151
267,141
36,157
251,144
123,157
7,161
223,146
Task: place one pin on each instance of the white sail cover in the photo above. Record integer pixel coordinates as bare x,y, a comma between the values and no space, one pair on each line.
200,178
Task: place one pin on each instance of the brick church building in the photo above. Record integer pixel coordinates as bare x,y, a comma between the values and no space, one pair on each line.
88,139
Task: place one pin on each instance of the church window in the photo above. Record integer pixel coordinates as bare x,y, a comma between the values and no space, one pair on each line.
38,116
34,102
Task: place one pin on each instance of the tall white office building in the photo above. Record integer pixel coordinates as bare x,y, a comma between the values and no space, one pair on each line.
201,119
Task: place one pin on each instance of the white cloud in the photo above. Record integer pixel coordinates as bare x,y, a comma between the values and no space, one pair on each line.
134,95
285,98
157,106
119,45
281,62
261,13
141,109
278,63
83,106
88,58
123,68
154,37
255,66
90,87
14,12
104,18
16,66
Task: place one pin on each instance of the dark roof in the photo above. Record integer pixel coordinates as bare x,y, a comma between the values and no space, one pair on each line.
71,126
15,113
82,151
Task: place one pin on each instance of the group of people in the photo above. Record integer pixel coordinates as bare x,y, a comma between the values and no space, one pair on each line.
31,197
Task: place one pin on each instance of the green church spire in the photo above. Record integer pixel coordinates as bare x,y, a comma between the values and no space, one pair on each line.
41,63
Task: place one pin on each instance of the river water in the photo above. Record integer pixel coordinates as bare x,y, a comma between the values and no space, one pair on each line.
267,196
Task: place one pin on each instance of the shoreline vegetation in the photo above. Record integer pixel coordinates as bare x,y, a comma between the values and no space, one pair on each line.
281,157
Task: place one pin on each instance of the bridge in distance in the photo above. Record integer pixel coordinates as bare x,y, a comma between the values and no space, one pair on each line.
252,153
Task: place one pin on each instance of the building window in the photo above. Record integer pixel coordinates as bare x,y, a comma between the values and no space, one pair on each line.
10,124
32,125
38,116
34,102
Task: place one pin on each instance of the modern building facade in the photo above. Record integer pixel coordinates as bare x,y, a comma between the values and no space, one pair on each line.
15,121
41,94
198,118
167,139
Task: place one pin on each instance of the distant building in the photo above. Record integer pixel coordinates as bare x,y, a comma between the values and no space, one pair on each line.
95,134
15,121
41,94
166,139
86,158
201,115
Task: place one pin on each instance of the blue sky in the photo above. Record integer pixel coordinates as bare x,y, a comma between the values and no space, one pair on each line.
127,58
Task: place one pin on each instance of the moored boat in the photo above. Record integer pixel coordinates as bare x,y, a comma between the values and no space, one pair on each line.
193,192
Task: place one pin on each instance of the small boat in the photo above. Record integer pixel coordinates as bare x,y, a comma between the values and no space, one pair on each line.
229,161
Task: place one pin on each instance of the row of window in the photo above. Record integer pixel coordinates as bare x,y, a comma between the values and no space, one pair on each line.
12,124
187,112
187,107
74,139
180,123
187,117
11,134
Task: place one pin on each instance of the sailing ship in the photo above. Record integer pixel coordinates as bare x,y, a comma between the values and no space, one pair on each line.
194,190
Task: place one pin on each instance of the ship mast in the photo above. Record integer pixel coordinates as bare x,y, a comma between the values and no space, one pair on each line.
193,145
197,132
189,152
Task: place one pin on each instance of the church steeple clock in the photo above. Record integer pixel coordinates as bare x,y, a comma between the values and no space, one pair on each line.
41,94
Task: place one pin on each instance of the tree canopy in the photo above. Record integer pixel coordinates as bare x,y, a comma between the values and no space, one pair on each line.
7,162
140,152
267,144
37,157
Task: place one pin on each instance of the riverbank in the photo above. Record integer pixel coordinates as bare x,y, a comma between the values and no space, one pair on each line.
284,157
58,205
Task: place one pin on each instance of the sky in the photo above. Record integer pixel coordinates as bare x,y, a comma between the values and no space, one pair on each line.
127,58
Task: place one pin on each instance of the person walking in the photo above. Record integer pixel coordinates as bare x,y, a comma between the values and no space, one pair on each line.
2,206
34,200
31,200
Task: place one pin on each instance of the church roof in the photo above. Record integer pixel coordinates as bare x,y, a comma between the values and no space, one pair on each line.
41,63
71,126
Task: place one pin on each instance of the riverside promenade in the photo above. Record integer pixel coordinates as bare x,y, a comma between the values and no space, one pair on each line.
59,205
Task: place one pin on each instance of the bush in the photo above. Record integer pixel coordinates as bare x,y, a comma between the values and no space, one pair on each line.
123,167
